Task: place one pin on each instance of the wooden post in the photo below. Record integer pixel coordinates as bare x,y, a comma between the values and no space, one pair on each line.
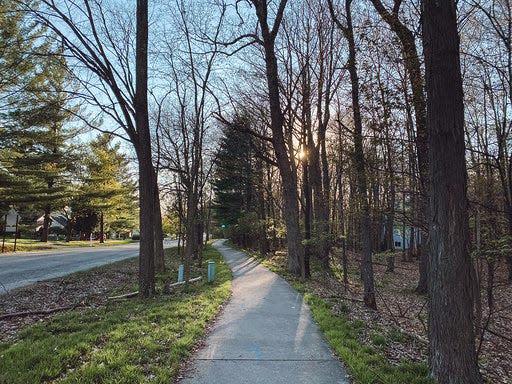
3,237
16,232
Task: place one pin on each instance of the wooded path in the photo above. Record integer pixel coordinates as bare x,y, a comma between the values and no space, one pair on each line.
265,334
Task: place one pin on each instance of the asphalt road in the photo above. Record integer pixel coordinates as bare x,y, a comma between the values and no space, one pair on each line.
24,268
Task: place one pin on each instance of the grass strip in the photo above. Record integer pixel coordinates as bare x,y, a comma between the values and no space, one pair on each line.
131,341
365,362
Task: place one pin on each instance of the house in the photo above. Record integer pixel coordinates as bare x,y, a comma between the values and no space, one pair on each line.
399,241
57,220
398,234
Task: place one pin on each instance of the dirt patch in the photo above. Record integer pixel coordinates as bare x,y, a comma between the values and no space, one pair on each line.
47,298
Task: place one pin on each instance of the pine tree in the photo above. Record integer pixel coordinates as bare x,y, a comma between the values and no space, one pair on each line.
18,68
35,159
44,159
108,190
236,183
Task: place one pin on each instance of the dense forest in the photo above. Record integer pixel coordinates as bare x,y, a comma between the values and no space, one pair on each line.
344,132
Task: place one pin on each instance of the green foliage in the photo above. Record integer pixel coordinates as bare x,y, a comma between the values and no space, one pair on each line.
237,185
495,247
106,188
171,222
132,341
378,339
35,159
233,183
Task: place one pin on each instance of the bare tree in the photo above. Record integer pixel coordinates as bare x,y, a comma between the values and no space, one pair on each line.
359,158
412,64
285,162
452,356
105,68
183,131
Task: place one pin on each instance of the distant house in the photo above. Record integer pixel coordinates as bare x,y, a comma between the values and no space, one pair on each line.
398,240
57,220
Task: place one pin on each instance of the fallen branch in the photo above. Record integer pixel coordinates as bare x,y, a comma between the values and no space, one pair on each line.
393,317
39,312
396,266
183,282
425,329
497,334
125,296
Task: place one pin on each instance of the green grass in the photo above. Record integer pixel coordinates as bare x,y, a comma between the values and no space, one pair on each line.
27,245
131,341
365,361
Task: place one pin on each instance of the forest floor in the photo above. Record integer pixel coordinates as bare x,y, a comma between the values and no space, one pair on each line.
40,301
399,326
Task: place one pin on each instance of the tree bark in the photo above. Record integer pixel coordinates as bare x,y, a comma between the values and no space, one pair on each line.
159,234
413,68
307,219
46,224
102,228
452,358
366,257
143,149
191,238
288,176
365,223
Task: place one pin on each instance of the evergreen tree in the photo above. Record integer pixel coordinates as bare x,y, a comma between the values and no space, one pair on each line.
108,189
235,184
19,38
35,158
19,73
40,144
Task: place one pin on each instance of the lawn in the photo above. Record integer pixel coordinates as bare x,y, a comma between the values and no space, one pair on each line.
123,341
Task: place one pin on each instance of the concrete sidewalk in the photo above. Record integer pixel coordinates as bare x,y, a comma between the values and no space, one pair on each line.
265,334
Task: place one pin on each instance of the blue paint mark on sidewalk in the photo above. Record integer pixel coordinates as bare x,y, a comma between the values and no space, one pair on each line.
256,349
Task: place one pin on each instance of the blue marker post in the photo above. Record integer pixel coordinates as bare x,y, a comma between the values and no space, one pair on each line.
181,270
211,271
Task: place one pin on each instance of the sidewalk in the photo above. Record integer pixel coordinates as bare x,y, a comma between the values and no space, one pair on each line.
265,334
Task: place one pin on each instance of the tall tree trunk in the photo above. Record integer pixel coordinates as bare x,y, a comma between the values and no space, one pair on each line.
284,163
159,233
143,148
102,228
390,208
413,67
452,358
390,244
191,246
69,228
307,220
365,224
46,224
